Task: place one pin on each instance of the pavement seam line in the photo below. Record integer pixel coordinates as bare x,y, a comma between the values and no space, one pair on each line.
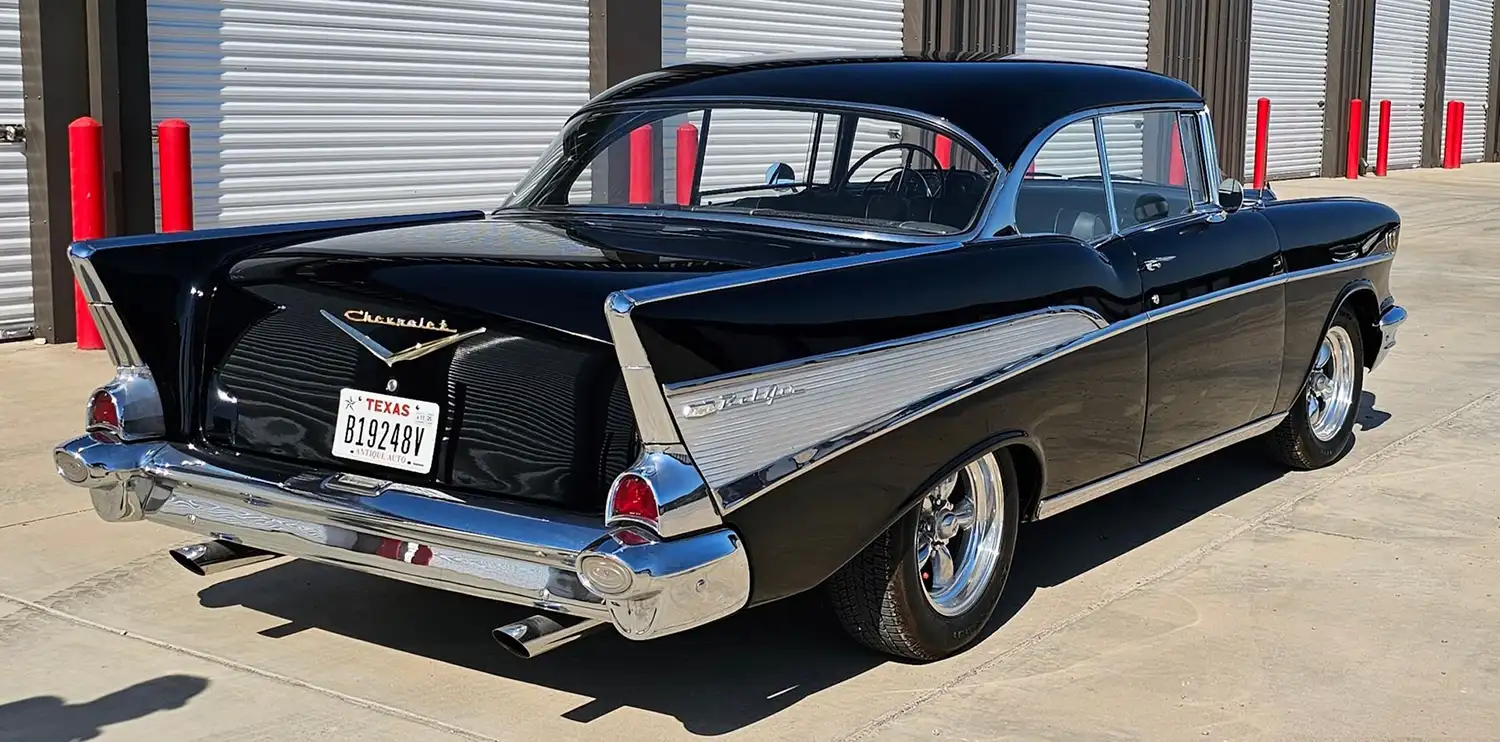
353,700
1185,560
45,517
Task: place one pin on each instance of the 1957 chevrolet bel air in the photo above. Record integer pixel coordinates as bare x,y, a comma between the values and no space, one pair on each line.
928,300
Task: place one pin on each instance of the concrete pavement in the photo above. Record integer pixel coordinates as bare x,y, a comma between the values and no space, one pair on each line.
1226,599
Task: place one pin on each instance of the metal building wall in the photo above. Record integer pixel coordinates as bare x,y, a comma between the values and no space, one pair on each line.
17,312
1467,69
332,108
1351,36
1289,65
1208,46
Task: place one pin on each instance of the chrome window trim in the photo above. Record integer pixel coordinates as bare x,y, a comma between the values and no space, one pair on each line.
940,125
1003,215
748,489
1210,155
1101,149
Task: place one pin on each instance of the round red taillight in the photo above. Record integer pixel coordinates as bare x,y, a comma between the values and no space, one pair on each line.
102,412
633,499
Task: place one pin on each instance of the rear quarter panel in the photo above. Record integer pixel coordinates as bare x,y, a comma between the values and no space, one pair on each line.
1085,409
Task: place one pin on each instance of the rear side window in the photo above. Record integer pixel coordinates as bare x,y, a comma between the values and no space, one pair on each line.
1155,166
1063,191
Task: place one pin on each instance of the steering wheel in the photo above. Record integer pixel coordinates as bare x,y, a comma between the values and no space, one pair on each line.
904,168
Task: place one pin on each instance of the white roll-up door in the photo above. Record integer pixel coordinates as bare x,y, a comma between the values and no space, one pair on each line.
17,314
312,109
1467,75
1289,65
1399,74
1104,31
703,30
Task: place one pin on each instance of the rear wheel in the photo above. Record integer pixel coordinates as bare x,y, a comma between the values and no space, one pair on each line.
925,587
1320,427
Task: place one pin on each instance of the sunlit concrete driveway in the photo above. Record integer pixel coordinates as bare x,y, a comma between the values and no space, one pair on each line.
1223,600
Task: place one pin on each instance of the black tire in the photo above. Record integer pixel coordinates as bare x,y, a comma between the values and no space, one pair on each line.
881,600
1293,442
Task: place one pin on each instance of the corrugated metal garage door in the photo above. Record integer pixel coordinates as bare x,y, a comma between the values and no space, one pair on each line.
1104,31
1467,76
311,109
16,311
1289,65
702,30
1399,75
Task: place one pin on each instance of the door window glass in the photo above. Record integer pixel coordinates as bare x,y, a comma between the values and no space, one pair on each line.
1155,166
1063,191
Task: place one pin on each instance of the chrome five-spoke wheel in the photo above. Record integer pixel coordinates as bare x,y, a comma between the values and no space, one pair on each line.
926,587
1330,386
958,535
1320,426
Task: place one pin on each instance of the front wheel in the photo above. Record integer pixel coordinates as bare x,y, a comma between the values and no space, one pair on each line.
1320,427
924,588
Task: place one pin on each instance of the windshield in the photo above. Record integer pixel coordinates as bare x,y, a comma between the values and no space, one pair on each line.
879,173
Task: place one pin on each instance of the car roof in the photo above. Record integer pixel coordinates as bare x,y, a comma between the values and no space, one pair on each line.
1003,102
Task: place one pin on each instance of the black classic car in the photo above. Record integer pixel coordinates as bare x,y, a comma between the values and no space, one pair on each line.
745,330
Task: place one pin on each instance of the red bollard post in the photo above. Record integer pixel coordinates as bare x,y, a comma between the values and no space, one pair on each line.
1356,138
86,180
1262,129
687,162
1449,162
1176,168
641,178
174,145
1458,136
943,148
1383,144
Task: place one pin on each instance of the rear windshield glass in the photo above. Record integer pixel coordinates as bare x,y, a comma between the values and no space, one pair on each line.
829,167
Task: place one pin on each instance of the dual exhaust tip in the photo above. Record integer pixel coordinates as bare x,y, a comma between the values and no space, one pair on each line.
526,638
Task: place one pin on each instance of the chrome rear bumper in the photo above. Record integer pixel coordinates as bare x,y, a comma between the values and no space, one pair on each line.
522,555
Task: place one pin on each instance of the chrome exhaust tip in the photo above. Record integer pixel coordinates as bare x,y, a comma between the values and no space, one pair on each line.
212,557
530,637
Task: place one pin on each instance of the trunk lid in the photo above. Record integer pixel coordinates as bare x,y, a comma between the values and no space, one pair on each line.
530,405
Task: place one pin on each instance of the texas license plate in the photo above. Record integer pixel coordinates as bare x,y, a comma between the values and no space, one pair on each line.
388,431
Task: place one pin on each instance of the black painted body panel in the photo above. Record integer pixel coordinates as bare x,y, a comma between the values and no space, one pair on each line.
1215,367
745,327
1322,232
533,409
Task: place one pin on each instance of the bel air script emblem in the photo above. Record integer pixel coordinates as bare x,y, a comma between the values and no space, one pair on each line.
759,395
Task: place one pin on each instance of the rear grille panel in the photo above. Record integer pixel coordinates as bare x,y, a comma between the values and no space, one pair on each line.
527,414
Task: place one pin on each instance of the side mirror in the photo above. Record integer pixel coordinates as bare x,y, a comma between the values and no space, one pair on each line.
780,172
1231,195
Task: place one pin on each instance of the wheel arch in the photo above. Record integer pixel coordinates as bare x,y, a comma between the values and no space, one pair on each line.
1025,455
1360,297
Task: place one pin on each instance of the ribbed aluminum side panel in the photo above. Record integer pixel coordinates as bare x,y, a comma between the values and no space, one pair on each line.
1398,74
700,30
1106,31
1467,75
1289,65
310,109
839,395
17,315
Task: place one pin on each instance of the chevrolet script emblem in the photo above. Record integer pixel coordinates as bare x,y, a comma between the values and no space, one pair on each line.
384,354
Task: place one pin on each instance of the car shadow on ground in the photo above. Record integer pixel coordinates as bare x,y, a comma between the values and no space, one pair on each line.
746,668
51,719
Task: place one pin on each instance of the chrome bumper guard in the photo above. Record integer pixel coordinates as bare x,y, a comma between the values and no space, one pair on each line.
1390,322
520,554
